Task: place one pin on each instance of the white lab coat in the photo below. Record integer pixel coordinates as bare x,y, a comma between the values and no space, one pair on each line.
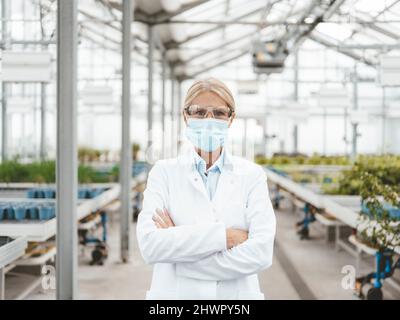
191,260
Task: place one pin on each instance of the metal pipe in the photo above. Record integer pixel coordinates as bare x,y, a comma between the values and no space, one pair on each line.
67,174
324,133
163,77
43,102
265,135
29,42
383,150
125,174
355,107
244,142
346,141
4,123
218,26
296,98
150,32
321,39
43,125
172,114
283,23
178,114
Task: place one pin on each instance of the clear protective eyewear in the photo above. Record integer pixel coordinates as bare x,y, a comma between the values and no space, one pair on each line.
200,112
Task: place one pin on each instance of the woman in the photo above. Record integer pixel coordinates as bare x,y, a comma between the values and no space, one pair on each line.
207,222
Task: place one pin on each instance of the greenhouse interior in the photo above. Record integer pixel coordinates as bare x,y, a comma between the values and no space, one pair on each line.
100,99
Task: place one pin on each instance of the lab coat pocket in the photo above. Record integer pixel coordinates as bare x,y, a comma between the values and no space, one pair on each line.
250,295
161,295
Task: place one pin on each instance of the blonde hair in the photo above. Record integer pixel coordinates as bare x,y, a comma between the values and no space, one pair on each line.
210,85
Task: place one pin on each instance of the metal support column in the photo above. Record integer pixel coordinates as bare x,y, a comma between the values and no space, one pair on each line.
4,122
355,107
2,283
296,98
345,139
163,75
150,32
295,138
43,121
126,148
244,141
173,141
383,146
43,101
67,173
265,135
325,131
178,114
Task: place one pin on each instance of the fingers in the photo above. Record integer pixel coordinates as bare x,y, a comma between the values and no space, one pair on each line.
158,225
237,236
157,222
157,218
167,218
162,219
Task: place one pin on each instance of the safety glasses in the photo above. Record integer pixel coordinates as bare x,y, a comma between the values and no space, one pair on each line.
200,112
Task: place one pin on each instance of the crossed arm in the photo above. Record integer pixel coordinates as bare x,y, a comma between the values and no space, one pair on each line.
206,251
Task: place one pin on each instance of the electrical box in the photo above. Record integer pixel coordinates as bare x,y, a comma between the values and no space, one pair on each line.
269,57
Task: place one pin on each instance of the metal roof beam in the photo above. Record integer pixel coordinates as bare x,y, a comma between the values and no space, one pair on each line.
164,17
171,45
220,63
322,40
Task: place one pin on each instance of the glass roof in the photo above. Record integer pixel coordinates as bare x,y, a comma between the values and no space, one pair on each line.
207,33
216,38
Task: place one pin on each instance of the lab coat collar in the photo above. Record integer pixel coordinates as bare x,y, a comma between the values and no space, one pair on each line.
226,181
217,165
188,159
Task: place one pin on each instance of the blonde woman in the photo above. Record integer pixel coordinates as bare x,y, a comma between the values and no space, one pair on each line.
207,224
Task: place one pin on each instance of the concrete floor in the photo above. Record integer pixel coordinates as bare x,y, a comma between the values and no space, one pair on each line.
302,269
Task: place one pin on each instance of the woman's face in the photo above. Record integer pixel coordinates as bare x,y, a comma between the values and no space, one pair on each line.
209,99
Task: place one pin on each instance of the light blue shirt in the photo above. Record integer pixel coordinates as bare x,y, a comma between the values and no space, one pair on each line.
210,177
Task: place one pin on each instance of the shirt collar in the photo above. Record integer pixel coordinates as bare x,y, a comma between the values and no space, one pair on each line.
201,164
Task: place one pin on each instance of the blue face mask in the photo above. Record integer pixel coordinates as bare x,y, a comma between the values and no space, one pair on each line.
207,134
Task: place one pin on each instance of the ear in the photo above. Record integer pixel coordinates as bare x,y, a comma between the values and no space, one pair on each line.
184,116
231,119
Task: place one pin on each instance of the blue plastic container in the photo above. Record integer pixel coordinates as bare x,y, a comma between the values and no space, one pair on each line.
49,193
2,211
31,193
83,193
20,212
33,212
394,212
39,194
53,212
96,192
9,212
44,212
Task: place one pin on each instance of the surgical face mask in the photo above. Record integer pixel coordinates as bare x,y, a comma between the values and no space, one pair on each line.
207,134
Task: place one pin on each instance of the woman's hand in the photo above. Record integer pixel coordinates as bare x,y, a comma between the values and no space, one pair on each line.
162,219
234,237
